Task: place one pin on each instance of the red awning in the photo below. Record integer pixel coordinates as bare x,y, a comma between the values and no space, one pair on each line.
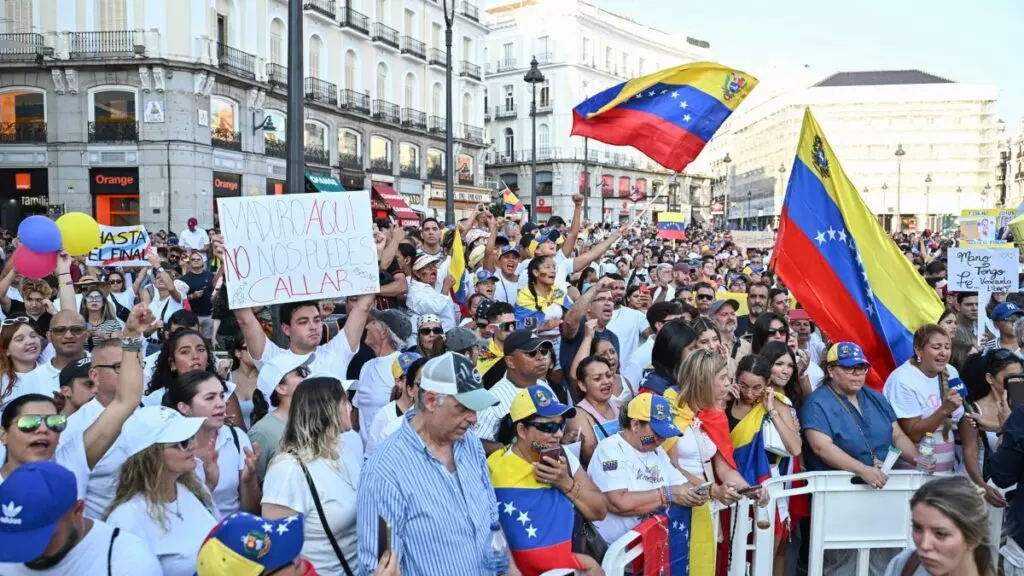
394,200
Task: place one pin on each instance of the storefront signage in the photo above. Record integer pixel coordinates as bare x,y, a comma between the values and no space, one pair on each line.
114,181
297,247
121,246
225,184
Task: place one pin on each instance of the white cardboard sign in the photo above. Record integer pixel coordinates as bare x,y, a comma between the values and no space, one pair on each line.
983,269
297,247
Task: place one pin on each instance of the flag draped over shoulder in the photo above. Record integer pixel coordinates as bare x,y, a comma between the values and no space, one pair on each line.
529,305
748,446
842,267
457,270
671,226
512,203
537,518
713,423
669,115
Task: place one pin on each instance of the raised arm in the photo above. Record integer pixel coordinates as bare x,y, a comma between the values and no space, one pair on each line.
252,331
154,261
5,283
356,321
574,228
571,322
65,289
592,255
490,262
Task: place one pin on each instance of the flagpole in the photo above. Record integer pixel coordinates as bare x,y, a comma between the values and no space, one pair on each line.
645,209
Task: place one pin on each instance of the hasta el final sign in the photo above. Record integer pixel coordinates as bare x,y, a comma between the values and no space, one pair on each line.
297,247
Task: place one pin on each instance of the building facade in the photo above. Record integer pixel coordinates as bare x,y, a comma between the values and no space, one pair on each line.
148,111
580,50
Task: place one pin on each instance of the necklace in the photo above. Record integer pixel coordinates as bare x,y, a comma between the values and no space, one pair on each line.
177,510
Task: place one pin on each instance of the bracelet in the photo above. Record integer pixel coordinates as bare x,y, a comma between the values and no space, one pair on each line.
661,497
131,344
668,495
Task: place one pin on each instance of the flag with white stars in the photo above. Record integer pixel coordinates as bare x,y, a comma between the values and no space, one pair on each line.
679,541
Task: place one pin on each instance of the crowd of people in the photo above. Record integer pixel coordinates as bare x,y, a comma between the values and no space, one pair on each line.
595,376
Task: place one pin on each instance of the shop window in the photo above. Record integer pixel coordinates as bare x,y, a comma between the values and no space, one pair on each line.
380,148
113,106
22,116
409,158
278,135
223,118
464,168
435,163
349,143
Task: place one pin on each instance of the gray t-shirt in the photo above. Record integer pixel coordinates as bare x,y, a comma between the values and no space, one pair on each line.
267,432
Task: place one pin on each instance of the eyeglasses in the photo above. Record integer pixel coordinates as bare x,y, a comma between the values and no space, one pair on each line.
858,370
547,427
543,351
94,298
778,332
115,367
31,422
62,330
115,281
428,331
506,326
13,321
183,445
705,297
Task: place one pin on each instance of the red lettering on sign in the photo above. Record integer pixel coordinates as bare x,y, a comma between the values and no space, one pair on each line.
122,181
235,255
225,184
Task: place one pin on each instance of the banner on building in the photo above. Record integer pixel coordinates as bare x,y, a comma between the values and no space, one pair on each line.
120,246
297,247
760,239
985,227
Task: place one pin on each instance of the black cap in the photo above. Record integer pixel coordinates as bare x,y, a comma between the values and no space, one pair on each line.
75,369
523,340
395,320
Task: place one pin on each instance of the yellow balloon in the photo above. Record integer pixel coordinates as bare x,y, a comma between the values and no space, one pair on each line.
80,233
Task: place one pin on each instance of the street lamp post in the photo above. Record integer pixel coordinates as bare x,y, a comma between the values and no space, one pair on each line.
899,188
927,192
984,195
725,205
959,191
746,213
885,208
533,77
782,181
449,161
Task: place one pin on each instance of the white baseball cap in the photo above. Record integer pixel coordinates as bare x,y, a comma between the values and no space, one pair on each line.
152,425
272,372
455,375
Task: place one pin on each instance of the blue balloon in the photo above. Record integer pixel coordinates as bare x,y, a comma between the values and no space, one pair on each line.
39,234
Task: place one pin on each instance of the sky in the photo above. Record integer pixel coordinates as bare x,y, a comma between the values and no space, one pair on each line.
973,41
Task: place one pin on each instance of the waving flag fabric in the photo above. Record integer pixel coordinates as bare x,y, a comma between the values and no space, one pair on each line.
841,265
457,270
537,518
671,226
669,115
512,203
530,305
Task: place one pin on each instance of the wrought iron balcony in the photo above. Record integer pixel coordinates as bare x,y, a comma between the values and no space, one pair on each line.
277,75
435,173
381,166
469,69
544,107
101,45
114,130
414,118
355,20
465,178
437,58
318,90
354,101
323,7
504,158
506,111
317,155
409,170
414,47
545,58
351,162
470,133
20,46
385,35
469,11
226,139
276,148
235,61
386,111
546,153
506,65
436,125
23,132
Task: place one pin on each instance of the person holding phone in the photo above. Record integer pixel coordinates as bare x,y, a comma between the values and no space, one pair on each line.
987,409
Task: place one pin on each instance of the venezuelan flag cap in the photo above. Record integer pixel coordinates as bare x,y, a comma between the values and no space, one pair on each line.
655,409
846,354
540,401
401,364
246,545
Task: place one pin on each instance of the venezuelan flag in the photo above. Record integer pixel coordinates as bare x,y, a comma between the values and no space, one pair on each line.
671,226
669,115
537,518
679,542
512,203
840,264
713,423
530,305
748,445
457,270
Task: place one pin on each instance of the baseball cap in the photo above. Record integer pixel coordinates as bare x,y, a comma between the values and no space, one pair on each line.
32,499
475,256
485,276
246,545
401,364
846,354
453,374
1005,311
460,339
681,266
395,321
272,372
718,304
538,400
424,260
156,425
798,314
655,409
523,340
510,249
76,369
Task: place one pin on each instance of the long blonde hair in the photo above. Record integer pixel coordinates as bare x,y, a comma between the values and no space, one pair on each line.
314,424
696,379
144,473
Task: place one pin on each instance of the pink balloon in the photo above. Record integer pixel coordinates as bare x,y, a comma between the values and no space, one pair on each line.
33,265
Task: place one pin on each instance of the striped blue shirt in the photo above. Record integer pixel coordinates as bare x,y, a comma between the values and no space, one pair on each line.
441,521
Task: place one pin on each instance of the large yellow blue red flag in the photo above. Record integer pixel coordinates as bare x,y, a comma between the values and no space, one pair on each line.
512,203
671,226
840,264
669,115
457,269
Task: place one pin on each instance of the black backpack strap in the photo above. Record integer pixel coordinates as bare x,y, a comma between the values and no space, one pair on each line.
323,519
110,551
234,436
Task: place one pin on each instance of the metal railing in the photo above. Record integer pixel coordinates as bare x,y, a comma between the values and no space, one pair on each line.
354,101
469,69
544,107
505,111
409,170
318,90
435,173
20,46
235,61
506,65
384,34
414,47
352,162
504,158
381,166
276,148
355,20
317,155
114,130
23,132
107,44
226,139
469,11
464,178
414,118
545,58
471,133
436,124
277,75
437,57
386,111
324,7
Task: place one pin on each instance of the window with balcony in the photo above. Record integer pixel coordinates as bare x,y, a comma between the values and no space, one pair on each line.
224,132
113,14
410,26
410,91
625,64
608,63
543,45
510,101
464,169
18,16
409,159
544,96
315,47
274,142
22,116
112,115
543,136
315,135
585,52
382,81
643,67
380,154
506,52
350,70
350,151
435,163
510,144
277,51
436,99
382,10
436,39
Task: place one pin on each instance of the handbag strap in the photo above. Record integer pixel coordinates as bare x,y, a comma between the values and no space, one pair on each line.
323,519
911,566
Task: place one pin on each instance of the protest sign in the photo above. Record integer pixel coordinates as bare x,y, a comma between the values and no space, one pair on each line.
983,269
297,247
760,239
120,246
985,227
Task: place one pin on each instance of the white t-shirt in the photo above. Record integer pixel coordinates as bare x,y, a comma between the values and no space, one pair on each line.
373,391
632,367
383,425
815,375
44,379
914,395
628,325
196,239
330,358
177,547
336,484
99,490
163,309
505,290
129,556
488,419
616,465
231,462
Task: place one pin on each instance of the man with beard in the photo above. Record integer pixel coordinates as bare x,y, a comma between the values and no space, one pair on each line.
429,337
779,299
627,324
422,299
757,300
385,333
44,528
704,295
723,316
596,304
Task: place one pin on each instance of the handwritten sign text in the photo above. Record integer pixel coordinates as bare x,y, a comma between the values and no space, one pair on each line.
983,269
120,246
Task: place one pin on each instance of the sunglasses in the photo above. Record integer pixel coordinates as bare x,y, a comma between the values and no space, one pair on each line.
543,351
778,332
13,321
705,297
506,326
31,422
115,281
547,427
183,445
96,298
429,331
62,330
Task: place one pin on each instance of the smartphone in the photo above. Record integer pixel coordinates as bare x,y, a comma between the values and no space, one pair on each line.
530,323
553,453
748,490
703,488
1014,386
384,534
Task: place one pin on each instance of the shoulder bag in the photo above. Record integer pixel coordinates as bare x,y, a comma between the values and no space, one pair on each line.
323,519
773,440
585,537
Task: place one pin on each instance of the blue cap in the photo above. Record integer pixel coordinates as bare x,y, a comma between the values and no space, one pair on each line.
846,354
538,400
246,545
546,235
484,275
1005,311
657,410
510,248
32,500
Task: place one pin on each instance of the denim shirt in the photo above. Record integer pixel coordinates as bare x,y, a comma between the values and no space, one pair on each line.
850,430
